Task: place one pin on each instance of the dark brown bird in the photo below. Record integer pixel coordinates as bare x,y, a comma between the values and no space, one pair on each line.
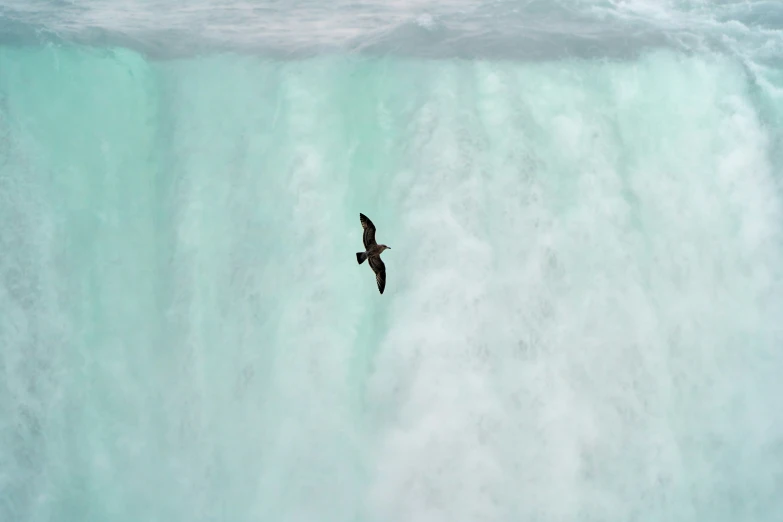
372,252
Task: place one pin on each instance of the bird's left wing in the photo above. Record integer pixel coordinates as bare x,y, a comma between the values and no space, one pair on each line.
380,271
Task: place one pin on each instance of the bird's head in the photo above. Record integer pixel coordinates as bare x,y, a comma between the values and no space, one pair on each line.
384,247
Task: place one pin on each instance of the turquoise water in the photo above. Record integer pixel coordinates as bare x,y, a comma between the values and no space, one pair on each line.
582,319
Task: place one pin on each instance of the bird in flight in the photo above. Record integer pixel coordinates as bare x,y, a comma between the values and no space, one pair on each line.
372,252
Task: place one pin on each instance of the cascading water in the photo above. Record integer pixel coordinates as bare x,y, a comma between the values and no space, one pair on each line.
582,319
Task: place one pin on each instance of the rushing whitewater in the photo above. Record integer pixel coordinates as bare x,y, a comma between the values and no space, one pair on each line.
582,315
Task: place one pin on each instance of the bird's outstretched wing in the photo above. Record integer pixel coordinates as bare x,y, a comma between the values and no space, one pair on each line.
380,271
369,231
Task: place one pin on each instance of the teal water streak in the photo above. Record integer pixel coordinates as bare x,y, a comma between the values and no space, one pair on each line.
581,320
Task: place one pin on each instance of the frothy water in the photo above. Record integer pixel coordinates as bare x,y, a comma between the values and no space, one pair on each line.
582,319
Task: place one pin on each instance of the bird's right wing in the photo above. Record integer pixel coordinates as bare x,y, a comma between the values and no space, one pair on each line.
369,231
380,271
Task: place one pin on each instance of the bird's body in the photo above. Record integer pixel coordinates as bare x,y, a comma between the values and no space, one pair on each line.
372,252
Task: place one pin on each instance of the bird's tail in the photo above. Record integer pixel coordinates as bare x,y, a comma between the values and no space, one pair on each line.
360,257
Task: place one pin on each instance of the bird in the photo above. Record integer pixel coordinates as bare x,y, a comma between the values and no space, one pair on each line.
372,252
